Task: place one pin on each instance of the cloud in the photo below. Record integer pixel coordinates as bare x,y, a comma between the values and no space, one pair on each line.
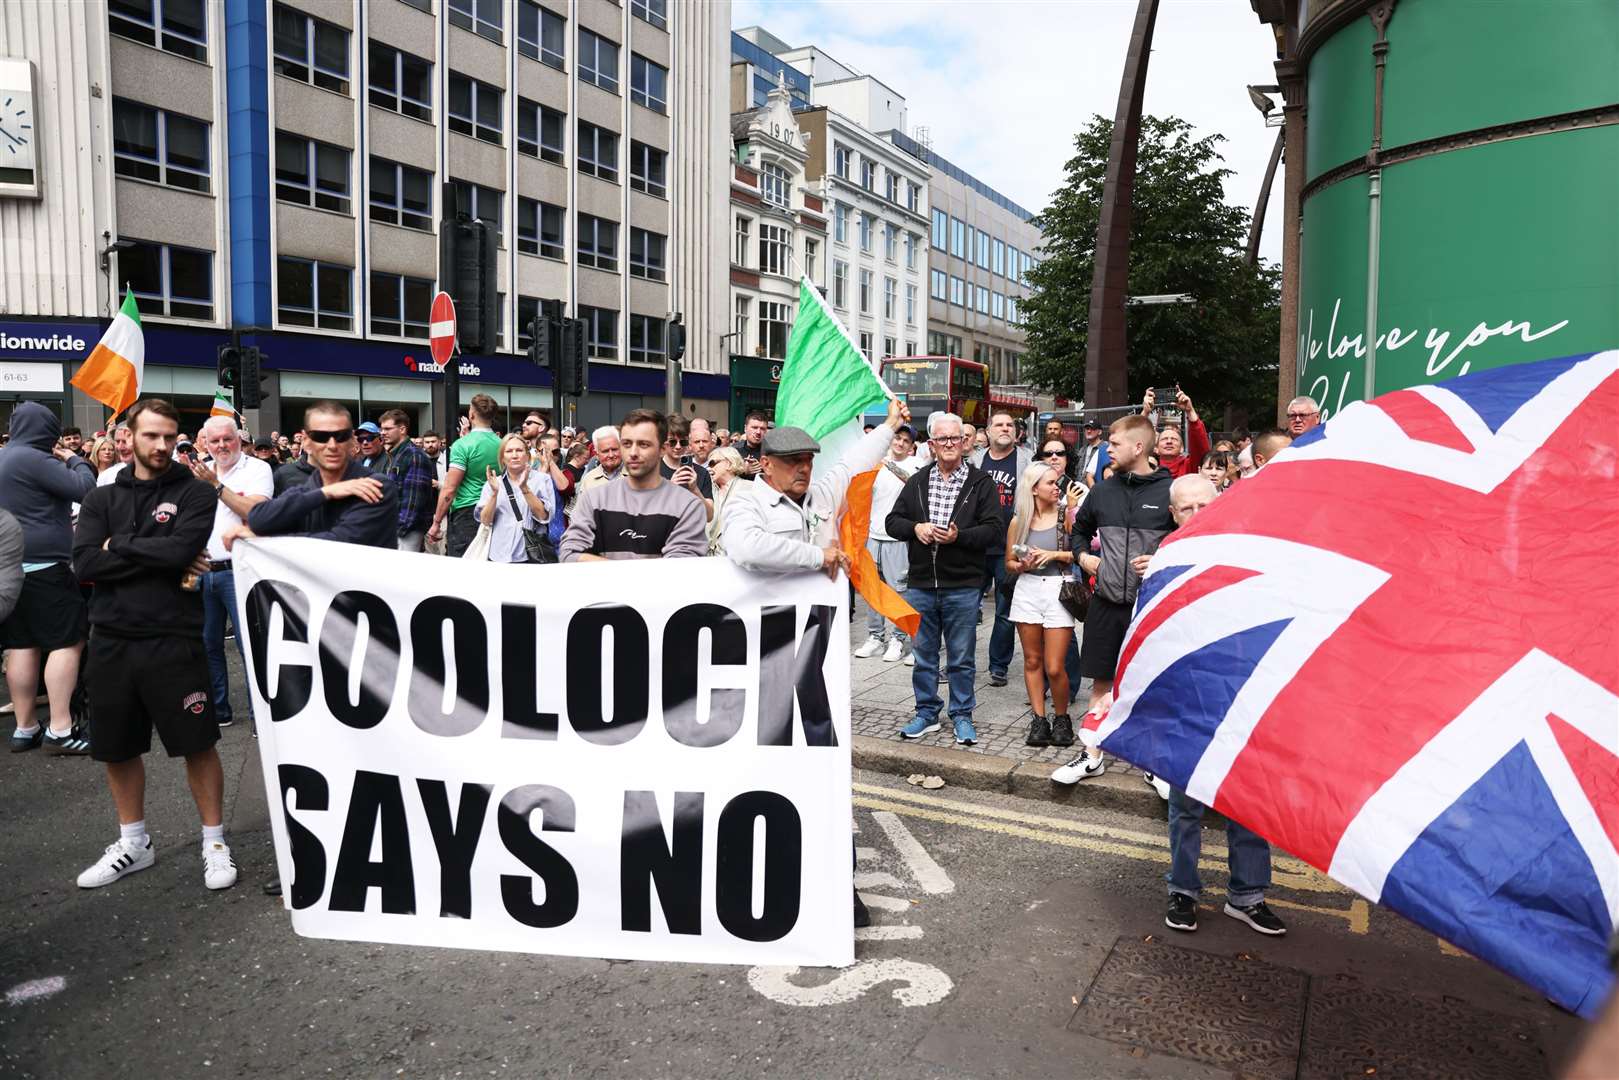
1003,85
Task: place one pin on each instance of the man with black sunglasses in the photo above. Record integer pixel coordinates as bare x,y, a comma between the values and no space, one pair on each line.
678,466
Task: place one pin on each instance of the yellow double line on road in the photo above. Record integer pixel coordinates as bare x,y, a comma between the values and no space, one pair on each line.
1286,872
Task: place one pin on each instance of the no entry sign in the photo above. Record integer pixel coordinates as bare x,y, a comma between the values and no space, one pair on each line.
441,328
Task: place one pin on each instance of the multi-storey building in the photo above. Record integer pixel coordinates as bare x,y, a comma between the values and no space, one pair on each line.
280,167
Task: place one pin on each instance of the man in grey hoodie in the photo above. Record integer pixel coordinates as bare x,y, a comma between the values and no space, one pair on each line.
39,483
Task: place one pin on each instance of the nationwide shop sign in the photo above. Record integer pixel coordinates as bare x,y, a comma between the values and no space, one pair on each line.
625,760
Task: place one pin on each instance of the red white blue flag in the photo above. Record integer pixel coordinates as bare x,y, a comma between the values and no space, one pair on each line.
1395,653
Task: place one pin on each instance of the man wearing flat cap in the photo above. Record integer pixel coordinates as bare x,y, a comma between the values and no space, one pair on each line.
787,523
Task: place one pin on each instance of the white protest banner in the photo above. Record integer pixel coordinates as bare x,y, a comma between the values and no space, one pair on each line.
641,760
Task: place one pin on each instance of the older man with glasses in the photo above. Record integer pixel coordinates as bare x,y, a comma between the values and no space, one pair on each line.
1302,415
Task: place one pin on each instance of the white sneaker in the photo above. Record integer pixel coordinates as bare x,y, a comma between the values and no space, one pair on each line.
910,658
119,859
218,871
871,648
1080,768
1158,785
895,650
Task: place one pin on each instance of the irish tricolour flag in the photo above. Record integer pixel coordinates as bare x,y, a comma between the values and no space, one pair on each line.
826,387
112,372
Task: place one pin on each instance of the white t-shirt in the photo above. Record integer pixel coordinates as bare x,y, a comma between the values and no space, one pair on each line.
506,534
249,476
111,474
886,489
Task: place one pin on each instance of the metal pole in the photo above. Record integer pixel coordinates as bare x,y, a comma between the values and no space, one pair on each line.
1374,194
1257,225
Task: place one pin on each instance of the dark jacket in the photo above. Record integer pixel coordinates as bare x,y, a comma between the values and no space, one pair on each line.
294,473
1131,515
412,473
304,510
977,517
153,529
39,490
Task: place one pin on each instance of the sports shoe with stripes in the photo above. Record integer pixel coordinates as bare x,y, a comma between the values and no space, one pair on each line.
218,868
73,744
119,859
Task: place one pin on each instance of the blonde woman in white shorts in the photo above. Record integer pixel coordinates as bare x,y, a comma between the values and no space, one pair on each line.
1037,552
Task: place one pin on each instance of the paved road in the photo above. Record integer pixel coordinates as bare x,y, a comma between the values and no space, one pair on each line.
996,919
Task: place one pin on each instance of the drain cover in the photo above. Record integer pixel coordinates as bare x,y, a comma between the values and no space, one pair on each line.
1356,1030
1242,1015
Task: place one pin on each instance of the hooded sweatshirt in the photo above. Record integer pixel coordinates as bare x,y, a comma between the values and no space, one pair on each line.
39,490
1130,512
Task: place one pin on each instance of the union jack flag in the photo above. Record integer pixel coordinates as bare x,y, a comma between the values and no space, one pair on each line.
1394,653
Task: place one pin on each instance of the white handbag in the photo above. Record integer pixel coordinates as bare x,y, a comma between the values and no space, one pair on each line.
479,548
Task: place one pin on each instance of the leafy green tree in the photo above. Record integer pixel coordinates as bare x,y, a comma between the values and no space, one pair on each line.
1185,238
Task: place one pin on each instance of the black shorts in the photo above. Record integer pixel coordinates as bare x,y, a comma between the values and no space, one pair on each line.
50,612
136,684
1099,647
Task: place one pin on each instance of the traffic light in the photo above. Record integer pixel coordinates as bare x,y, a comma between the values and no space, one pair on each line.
467,256
249,391
570,366
539,345
674,337
229,367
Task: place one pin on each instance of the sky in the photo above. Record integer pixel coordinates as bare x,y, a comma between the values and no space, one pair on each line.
1003,85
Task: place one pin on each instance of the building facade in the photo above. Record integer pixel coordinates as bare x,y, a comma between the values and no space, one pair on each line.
280,167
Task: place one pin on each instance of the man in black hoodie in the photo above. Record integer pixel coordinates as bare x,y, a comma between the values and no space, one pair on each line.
949,514
1129,512
140,539
39,483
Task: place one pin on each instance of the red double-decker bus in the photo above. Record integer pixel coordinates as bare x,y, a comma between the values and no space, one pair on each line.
931,384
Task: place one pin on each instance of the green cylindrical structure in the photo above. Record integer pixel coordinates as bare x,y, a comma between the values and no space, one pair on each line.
1470,201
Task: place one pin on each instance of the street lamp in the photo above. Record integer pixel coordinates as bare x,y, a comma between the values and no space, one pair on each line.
1161,298
1259,95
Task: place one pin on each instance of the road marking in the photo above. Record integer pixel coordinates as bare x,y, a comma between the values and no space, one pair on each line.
1290,872
1358,914
1448,949
924,983
887,933
928,874
886,903
35,990
865,854
876,879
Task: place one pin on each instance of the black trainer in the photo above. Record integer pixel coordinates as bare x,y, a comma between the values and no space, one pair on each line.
1039,731
1182,913
1062,730
21,743
997,678
1258,916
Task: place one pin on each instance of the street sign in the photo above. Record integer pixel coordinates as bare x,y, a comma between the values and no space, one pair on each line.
441,328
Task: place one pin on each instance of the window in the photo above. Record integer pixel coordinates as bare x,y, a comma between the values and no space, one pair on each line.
743,304
867,222
910,348
958,239
540,131
1011,309
646,340
401,83
482,17
1012,258
775,241
602,325
479,203
812,249
840,160
311,50
888,347
401,195
598,61
312,293
744,228
164,147
983,300
646,254
910,250
840,283
890,242
865,292
998,258
541,33
940,227
598,152
311,173
868,173
910,305
648,169
958,292
400,305
913,200
655,12
474,108
598,243
938,283
983,249
890,297
176,26
649,83
865,345
840,223
997,305
539,229
420,5
891,186
169,280
775,320
774,185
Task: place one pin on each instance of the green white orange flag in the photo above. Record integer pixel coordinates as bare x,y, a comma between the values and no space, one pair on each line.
222,404
826,387
112,372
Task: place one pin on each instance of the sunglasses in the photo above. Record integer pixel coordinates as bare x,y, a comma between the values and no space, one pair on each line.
674,440
366,436
1301,415
341,435
1055,453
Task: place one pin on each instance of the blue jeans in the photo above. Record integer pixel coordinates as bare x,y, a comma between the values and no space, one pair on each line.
950,615
893,566
219,604
1003,635
1247,854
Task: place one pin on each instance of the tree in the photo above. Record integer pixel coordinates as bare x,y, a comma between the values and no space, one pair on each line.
1185,238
